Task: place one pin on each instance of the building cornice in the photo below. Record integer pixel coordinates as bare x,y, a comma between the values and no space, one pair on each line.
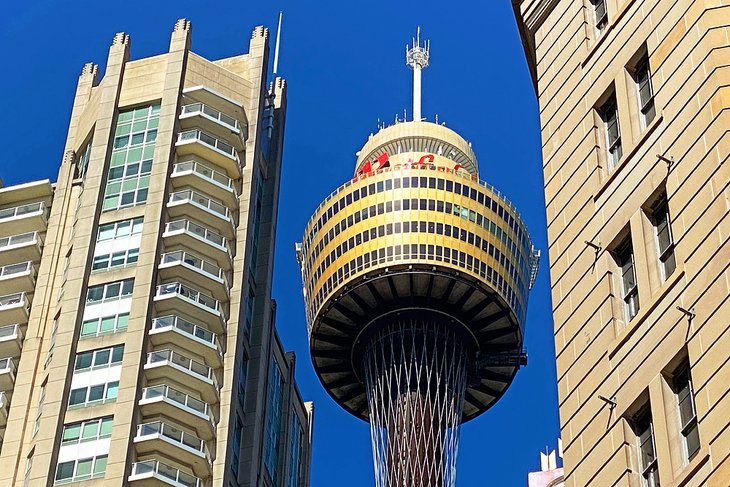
530,14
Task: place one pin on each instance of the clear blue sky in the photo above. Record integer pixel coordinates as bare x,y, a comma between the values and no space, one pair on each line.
345,69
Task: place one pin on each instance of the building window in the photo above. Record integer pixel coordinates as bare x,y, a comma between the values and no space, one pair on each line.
624,255
249,311
242,377
256,224
104,325
90,430
644,91
82,160
236,448
87,388
295,453
131,160
687,411
664,239
82,469
119,230
92,395
122,258
273,423
644,430
97,359
609,115
600,15
109,292
39,409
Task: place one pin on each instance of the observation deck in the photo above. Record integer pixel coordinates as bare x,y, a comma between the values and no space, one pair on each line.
415,233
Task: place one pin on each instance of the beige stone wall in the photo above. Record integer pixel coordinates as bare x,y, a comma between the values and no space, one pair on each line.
598,352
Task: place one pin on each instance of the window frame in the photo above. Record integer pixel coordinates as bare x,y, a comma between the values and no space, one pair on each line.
609,115
625,260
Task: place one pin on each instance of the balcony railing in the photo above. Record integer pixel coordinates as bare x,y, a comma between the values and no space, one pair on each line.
8,331
216,177
198,230
18,240
172,321
185,400
173,434
190,294
208,140
200,108
153,468
10,270
7,365
180,257
203,201
11,300
188,364
19,211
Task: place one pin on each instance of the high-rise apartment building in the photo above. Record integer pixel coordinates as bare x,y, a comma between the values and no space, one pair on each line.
634,99
137,327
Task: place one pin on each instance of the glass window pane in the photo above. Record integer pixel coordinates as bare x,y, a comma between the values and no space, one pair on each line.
127,287
107,324
71,432
117,353
83,361
100,465
101,357
106,427
96,393
112,390
90,429
112,290
83,468
692,439
77,396
89,327
65,470
122,321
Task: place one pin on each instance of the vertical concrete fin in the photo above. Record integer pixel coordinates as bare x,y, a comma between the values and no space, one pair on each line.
181,35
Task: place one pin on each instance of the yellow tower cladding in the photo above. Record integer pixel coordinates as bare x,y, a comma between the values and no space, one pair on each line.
416,276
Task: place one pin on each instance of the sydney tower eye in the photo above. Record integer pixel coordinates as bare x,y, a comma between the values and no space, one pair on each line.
416,276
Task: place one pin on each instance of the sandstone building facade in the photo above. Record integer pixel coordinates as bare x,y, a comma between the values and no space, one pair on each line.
634,98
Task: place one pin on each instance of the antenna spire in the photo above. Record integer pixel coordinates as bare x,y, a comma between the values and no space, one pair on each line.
278,43
417,57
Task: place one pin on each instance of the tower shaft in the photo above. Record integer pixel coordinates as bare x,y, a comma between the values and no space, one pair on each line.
415,374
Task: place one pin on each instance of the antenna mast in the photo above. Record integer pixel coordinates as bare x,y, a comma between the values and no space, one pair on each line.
276,49
417,57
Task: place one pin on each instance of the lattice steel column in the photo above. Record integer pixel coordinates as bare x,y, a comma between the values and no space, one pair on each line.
415,374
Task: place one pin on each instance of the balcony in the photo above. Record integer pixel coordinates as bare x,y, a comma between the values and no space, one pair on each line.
4,408
23,218
201,208
14,308
171,365
152,473
167,401
20,248
212,121
7,374
172,442
195,338
194,269
195,142
200,239
190,301
17,278
193,173
11,341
